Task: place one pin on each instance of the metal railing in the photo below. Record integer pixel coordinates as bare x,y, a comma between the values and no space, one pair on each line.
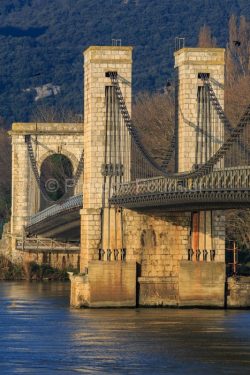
46,244
228,179
72,203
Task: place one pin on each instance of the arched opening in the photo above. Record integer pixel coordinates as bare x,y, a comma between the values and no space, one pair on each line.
56,179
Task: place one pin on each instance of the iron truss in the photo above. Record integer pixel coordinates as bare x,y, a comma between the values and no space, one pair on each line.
230,187
46,245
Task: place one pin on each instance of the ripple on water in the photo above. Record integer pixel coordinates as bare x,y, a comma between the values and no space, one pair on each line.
40,334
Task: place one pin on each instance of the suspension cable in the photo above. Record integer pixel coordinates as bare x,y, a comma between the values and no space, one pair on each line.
37,176
219,110
202,169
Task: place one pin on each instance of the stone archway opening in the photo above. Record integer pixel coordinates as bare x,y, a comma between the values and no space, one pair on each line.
56,179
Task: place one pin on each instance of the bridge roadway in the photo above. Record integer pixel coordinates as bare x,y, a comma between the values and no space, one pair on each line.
220,189
60,221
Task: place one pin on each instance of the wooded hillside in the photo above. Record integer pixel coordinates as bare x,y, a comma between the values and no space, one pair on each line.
42,42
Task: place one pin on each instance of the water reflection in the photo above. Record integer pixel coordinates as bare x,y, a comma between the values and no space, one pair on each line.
39,334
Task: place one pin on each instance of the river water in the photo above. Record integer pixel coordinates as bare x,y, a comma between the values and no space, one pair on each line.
40,334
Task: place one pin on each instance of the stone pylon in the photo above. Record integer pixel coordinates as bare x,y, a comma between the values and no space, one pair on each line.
200,133
98,62
109,281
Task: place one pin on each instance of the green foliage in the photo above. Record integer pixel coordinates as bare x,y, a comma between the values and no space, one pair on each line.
14,272
244,262
31,271
45,271
9,271
42,42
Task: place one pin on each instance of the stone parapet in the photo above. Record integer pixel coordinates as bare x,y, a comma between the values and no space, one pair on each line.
39,128
198,56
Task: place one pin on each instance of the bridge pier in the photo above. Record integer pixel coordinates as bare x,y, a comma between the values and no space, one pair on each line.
156,270
90,236
149,273
157,243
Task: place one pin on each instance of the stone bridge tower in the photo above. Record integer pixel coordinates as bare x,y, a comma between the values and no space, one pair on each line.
47,139
200,133
98,62
99,224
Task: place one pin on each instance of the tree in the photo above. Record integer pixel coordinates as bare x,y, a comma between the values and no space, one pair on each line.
237,226
237,83
237,98
44,113
153,115
205,38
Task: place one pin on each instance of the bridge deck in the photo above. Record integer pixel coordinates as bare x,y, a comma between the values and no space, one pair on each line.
221,189
228,188
60,221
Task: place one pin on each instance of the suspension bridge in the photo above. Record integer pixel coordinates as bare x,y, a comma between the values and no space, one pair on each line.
219,178
130,207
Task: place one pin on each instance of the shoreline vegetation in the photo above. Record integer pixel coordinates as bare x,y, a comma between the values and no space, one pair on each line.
30,271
